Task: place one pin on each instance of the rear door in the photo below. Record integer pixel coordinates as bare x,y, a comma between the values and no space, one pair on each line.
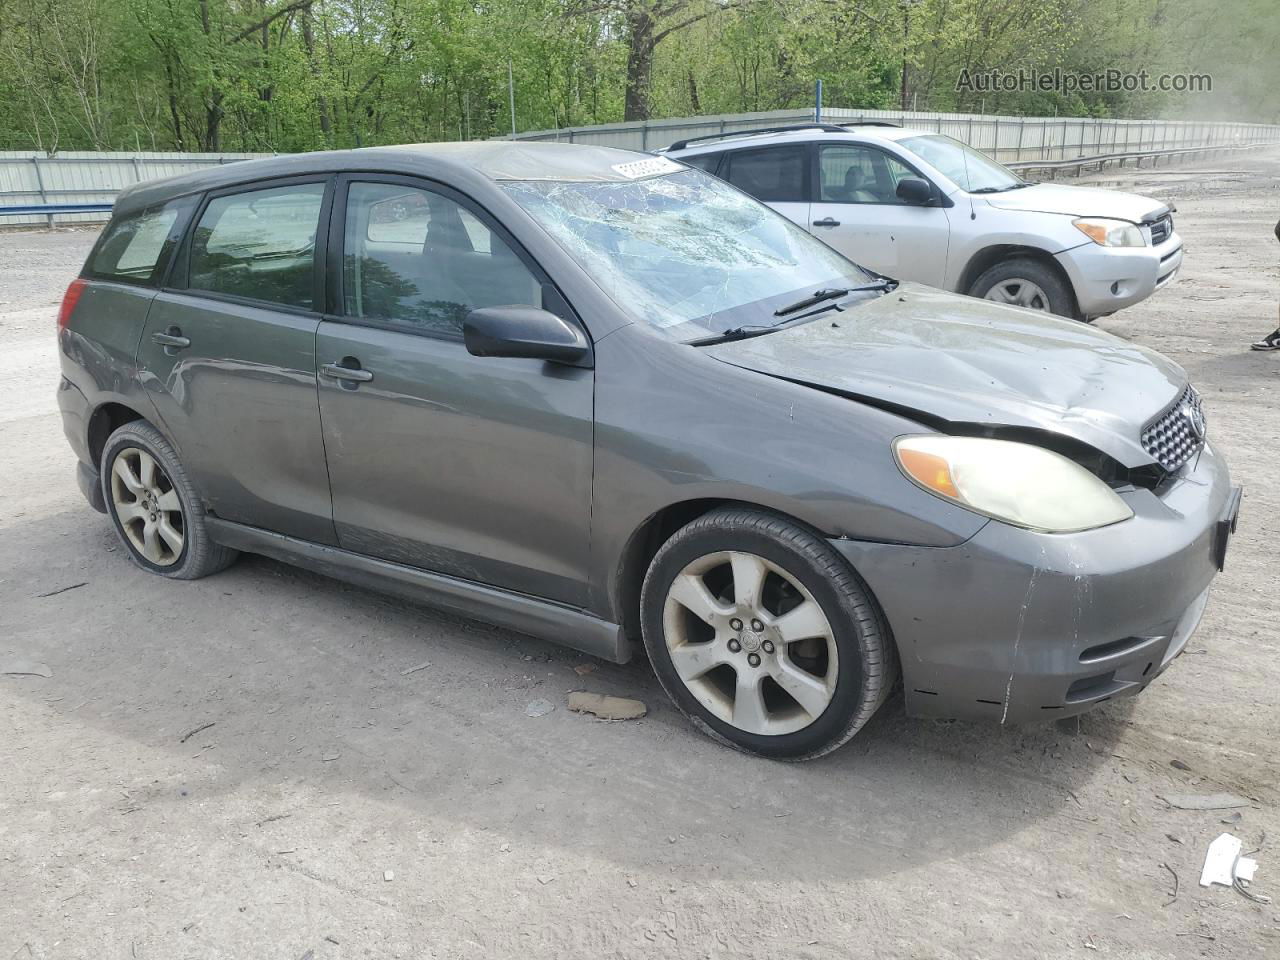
475,467
228,356
856,210
778,176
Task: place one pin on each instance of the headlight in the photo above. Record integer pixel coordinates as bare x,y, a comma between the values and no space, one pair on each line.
1110,233
1018,483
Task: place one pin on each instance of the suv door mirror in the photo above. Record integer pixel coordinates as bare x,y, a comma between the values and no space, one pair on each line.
524,331
916,191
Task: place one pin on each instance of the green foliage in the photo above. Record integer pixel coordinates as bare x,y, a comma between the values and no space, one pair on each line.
291,75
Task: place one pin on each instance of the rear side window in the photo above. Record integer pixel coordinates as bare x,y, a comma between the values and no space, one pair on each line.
260,245
704,161
136,248
775,174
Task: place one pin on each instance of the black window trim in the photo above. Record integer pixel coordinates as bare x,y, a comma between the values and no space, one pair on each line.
806,184
940,199
553,299
168,250
179,274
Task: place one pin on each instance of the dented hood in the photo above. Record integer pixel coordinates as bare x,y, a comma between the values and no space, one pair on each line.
1079,202
969,361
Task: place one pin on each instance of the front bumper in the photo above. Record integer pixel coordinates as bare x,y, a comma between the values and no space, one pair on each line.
1107,279
1015,626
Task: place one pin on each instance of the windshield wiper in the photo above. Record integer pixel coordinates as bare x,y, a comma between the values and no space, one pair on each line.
1013,186
827,293
759,329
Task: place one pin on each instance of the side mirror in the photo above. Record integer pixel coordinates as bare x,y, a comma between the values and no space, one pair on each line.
916,191
523,331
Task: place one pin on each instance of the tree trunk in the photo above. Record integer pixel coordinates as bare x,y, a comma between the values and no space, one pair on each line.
322,102
640,45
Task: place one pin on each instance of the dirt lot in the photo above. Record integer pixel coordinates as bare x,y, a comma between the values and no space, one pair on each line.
339,803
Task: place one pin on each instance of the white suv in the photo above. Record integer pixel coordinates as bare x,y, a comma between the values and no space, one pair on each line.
920,206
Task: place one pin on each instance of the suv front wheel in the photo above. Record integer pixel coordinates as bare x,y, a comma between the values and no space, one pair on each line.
154,508
1024,282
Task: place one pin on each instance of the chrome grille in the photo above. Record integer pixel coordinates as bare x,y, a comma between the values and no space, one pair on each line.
1176,435
1161,229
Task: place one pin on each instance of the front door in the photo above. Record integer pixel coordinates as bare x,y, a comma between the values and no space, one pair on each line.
475,467
228,359
856,210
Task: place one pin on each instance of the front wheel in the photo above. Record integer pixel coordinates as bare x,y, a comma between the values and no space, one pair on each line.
1024,282
763,636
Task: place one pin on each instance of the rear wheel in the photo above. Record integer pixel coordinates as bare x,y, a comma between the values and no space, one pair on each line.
1024,282
154,508
763,636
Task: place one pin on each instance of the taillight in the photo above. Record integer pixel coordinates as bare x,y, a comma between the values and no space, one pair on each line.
69,301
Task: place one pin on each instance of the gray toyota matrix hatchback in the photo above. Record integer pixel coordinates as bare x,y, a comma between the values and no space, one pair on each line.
598,396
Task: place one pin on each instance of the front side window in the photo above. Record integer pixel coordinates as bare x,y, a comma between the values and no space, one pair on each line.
973,171
855,174
774,174
136,248
684,252
416,258
260,245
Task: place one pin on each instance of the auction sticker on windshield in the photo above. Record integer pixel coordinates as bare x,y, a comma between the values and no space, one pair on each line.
636,169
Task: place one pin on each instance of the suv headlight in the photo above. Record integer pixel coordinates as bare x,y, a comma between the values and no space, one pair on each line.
1018,483
1110,233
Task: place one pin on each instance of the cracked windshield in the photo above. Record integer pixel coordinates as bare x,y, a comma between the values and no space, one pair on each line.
684,252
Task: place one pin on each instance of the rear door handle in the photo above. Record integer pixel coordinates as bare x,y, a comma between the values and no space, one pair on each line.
171,339
826,222
348,369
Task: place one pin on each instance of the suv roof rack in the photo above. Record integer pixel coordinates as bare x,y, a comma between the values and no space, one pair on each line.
828,127
789,128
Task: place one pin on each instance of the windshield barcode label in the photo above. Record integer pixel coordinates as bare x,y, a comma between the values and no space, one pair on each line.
646,168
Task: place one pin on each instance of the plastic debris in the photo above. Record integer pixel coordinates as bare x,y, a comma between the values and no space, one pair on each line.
539,708
1224,865
605,707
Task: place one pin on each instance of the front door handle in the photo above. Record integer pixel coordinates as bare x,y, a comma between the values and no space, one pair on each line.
347,369
172,339
827,222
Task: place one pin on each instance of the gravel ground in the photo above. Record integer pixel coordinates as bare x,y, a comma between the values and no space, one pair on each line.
334,802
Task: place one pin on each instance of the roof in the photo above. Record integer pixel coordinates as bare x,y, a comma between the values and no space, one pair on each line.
492,160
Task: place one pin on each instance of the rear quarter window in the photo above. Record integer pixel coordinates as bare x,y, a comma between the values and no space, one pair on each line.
136,248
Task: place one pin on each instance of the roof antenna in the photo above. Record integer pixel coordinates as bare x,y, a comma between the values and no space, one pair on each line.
968,185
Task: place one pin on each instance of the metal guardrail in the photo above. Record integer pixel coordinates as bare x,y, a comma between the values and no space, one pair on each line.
1079,164
48,209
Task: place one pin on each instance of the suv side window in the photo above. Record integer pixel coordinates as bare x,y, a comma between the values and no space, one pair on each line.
773,174
850,173
416,258
137,248
260,244
704,161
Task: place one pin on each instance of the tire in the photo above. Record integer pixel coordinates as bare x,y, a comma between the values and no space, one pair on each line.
841,651
1029,283
154,508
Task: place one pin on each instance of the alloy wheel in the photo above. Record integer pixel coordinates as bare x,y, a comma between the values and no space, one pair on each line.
750,643
147,506
1020,293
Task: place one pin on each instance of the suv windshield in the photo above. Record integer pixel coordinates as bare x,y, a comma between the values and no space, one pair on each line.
973,171
685,252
